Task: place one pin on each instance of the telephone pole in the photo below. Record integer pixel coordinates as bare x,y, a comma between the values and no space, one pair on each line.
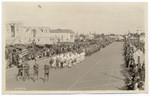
138,32
118,22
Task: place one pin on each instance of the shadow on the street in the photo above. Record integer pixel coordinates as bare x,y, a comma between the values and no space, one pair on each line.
43,79
124,72
113,76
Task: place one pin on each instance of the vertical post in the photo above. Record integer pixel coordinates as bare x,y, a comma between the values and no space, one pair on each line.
138,41
138,31
34,50
118,22
128,38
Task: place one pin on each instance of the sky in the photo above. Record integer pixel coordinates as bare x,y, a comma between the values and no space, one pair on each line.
86,17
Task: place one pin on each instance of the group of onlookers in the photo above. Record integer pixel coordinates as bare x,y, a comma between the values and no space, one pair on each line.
136,71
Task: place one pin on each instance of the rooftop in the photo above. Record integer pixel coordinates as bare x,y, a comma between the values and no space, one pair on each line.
62,31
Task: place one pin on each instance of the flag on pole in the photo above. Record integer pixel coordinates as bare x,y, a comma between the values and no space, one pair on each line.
39,6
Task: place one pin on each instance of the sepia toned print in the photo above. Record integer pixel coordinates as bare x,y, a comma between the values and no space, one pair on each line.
55,47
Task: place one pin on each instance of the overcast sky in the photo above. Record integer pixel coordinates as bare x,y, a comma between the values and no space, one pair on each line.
80,17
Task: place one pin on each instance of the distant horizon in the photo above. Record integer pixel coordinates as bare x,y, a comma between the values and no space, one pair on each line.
70,29
94,17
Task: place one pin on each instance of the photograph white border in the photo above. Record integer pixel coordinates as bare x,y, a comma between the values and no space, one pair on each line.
2,41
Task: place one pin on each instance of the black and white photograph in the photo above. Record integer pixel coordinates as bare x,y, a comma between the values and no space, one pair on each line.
74,47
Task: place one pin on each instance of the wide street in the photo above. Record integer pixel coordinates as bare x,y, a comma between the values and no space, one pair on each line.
103,70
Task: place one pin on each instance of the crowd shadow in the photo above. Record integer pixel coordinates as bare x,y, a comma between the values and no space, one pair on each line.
124,72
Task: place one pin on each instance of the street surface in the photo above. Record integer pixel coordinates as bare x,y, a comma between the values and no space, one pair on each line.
100,71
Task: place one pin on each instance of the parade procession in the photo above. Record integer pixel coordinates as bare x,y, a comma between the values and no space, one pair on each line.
56,56
89,47
59,55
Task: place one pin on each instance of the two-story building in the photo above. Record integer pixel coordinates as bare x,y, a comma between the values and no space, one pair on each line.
16,33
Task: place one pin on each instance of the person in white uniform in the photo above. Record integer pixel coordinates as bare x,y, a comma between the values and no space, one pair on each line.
54,62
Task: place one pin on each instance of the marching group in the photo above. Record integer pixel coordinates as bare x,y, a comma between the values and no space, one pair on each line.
55,56
59,61
136,71
15,52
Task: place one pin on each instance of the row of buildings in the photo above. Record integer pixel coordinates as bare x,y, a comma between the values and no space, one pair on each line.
16,33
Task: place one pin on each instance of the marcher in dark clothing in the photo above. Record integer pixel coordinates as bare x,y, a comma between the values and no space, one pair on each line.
46,72
51,61
26,68
20,71
36,71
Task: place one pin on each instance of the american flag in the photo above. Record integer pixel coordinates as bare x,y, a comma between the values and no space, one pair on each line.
25,52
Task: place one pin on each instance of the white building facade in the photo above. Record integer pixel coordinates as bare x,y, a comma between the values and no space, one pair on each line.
16,33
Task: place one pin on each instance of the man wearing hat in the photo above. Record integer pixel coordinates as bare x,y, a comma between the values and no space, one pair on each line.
36,70
46,72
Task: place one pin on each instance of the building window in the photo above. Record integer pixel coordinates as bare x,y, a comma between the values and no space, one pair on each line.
12,29
34,32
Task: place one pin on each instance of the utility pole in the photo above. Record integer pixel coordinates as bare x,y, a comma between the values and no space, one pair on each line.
129,36
138,32
118,21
